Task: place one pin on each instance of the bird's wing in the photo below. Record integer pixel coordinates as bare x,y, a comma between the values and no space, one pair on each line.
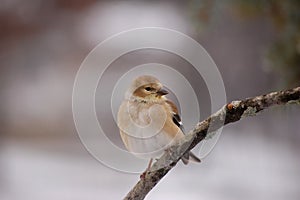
177,120
176,116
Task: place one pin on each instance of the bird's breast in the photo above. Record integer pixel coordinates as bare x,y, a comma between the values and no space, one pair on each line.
142,129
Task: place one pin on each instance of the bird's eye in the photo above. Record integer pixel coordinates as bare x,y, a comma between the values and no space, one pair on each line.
148,88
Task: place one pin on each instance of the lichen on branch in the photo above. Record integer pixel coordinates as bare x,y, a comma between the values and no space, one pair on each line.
229,113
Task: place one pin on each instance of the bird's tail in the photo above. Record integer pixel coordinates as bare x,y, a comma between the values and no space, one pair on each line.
189,156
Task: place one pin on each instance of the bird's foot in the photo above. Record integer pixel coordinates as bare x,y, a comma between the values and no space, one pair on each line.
143,175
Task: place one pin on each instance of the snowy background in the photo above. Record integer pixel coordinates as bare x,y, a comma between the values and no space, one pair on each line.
42,46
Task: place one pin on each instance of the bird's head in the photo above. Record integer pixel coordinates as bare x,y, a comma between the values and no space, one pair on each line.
146,89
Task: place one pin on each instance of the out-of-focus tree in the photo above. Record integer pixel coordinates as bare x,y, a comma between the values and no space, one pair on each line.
284,54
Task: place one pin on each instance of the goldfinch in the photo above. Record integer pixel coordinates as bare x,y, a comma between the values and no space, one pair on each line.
149,123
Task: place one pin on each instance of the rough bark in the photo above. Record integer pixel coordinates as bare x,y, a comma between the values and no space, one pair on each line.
229,113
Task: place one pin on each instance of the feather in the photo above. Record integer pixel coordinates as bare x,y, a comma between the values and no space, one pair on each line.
177,120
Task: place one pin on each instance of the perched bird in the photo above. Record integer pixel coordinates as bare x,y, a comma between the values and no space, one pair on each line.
149,123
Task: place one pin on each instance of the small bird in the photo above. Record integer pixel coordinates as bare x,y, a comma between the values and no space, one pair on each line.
149,123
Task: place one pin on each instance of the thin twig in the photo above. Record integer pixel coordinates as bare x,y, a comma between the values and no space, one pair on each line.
229,113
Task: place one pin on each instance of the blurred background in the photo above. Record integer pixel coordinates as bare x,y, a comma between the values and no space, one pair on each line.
255,44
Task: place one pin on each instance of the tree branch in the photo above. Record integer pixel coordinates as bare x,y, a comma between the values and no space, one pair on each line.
229,113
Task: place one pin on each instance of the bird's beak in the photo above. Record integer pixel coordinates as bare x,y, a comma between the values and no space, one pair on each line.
162,92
